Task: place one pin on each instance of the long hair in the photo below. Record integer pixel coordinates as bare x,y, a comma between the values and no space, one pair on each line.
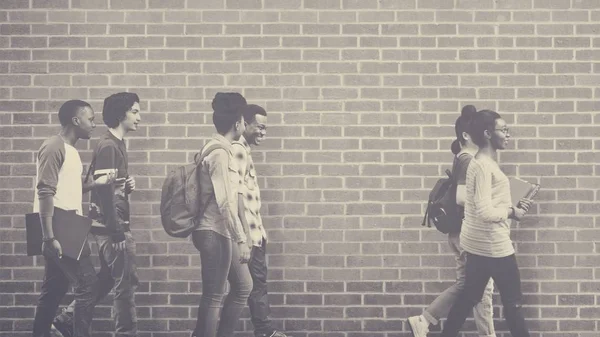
463,124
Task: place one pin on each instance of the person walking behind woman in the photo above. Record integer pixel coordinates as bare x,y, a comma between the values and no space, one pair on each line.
464,150
485,234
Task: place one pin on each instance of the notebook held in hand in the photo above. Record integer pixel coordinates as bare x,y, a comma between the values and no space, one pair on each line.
70,230
520,188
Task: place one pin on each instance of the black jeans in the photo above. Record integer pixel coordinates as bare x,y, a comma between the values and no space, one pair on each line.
58,274
258,302
505,273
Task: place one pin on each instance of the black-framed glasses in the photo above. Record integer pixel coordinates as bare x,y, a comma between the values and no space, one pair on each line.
504,130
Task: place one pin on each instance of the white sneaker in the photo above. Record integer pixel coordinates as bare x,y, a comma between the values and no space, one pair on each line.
54,332
418,326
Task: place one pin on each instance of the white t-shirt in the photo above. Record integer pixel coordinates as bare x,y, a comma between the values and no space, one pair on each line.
59,171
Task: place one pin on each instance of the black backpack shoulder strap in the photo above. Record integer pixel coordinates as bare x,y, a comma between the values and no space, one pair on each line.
455,162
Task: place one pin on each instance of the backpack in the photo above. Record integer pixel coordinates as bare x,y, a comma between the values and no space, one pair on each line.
180,196
442,210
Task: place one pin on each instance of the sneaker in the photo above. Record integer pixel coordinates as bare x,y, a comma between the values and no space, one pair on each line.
54,332
418,326
275,333
64,324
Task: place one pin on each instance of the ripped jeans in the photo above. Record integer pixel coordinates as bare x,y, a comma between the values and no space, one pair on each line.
482,312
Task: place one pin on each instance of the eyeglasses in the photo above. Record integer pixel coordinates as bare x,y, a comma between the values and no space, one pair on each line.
504,130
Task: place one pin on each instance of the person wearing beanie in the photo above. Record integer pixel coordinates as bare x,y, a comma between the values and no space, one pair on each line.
464,150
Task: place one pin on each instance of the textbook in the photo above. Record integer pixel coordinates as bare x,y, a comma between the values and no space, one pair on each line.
70,229
520,188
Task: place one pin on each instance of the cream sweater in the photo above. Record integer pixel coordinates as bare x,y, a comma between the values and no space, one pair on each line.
486,228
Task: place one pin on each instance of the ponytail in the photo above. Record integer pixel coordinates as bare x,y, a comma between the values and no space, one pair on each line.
455,147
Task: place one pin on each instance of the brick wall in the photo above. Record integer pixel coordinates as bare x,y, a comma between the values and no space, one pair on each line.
362,96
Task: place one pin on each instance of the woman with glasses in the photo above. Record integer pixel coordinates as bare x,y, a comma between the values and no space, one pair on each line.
464,150
485,233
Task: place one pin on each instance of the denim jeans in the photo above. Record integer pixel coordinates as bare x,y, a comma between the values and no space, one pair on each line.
258,302
482,312
118,270
505,273
58,274
220,262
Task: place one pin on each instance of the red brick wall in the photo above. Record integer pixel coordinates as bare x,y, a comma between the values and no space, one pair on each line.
361,96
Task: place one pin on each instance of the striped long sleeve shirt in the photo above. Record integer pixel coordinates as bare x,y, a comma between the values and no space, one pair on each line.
486,227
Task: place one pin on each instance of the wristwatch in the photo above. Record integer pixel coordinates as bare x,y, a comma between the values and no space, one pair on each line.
49,239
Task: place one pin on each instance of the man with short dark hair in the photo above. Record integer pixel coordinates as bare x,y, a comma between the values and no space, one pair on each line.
249,205
109,206
59,184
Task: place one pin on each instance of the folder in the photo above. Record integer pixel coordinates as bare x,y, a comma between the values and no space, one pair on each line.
70,229
520,188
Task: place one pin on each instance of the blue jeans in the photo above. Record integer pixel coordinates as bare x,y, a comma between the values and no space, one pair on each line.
482,311
58,274
118,270
220,260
